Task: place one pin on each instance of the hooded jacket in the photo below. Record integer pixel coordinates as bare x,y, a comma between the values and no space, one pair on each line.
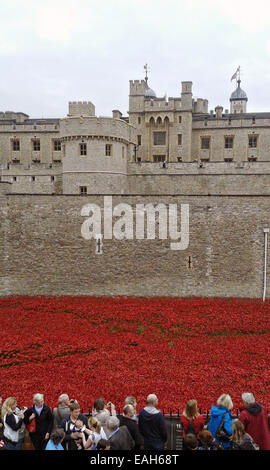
216,414
255,421
152,427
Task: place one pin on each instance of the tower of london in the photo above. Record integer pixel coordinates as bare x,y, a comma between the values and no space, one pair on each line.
165,152
164,145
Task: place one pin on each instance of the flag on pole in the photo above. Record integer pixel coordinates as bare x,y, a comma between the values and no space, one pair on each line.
235,74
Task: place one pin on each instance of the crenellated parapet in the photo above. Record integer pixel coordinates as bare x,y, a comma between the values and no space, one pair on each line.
81,108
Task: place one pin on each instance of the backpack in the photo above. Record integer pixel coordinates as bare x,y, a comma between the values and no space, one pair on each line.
190,429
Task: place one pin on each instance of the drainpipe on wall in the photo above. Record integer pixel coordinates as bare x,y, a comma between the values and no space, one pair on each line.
266,230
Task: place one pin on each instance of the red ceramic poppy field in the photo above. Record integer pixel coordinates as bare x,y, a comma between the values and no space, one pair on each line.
114,347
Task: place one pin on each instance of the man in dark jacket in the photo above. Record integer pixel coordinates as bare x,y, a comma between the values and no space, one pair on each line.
128,421
119,437
255,420
152,425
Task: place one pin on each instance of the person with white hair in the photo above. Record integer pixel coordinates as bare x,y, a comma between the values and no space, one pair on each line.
43,422
119,437
218,413
255,420
62,411
152,425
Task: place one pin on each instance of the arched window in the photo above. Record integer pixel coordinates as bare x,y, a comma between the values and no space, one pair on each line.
159,121
152,121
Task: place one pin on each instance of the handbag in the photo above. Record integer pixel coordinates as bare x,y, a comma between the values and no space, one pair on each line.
31,427
221,434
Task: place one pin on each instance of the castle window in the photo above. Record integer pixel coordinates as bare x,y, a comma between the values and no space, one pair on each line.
252,141
15,145
57,145
139,120
83,189
33,178
139,140
123,152
108,150
14,178
83,149
179,137
36,145
159,138
52,178
179,119
158,158
228,142
205,143
189,263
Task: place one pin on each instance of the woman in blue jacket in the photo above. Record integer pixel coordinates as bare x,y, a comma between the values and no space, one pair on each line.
224,405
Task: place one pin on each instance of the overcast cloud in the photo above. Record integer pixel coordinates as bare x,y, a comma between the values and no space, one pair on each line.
55,51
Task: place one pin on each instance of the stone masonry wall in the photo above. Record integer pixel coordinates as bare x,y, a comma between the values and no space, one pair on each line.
43,251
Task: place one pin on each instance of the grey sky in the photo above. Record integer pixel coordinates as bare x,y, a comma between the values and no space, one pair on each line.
55,51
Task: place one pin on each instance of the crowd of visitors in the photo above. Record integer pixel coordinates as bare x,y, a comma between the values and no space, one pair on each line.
66,428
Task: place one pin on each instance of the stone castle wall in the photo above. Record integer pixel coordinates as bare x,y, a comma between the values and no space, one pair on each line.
43,251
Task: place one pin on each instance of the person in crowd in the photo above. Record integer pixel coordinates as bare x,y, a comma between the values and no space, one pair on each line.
255,420
219,412
56,439
73,439
190,442
132,401
1,421
101,412
78,426
207,441
103,444
43,417
21,430
12,423
119,437
191,420
96,433
62,411
152,425
127,420
241,440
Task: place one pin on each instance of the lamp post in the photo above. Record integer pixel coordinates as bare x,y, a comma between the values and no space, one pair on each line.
266,231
